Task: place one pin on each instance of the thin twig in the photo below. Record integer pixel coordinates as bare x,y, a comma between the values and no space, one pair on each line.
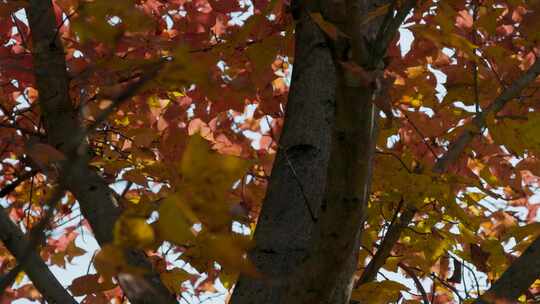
126,189
448,285
36,237
126,94
388,242
475,65
385,36
417,282
421,135
396,157
23,39
9,188
474,276
479,121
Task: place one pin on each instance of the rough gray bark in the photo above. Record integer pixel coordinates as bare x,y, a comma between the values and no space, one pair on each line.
285,223
327,250
62,124
327,272
285,235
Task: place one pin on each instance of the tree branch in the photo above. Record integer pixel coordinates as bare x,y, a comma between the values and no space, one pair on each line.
479,121
389,29
384,250
9,188
417,282
18,245
516,279
35,237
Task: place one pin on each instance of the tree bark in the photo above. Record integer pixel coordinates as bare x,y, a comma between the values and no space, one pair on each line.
326,275
62,124
299,172
285,235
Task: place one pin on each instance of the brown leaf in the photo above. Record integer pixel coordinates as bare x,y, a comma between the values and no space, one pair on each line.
479,257
90,283
43,154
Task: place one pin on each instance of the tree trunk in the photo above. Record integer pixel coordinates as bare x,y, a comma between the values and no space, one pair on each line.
326,276
306,260
299,172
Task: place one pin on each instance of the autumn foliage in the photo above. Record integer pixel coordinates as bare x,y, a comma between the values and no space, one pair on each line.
177,108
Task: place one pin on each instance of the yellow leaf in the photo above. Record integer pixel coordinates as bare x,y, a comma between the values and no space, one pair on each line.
155,102
491,179
475,196
133,232
416,102
207,181
20,277
175,221
463,44
378,292
99,20
435,247
228,249
392,263
124,121
111,261
414,72
531,230
173,279
201,164
176,94
497,259
261,55
184,69
441,39
228,278
517,135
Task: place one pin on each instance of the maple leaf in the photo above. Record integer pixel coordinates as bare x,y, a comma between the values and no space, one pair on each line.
173,279
378,292
91,283
133,232
226,80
